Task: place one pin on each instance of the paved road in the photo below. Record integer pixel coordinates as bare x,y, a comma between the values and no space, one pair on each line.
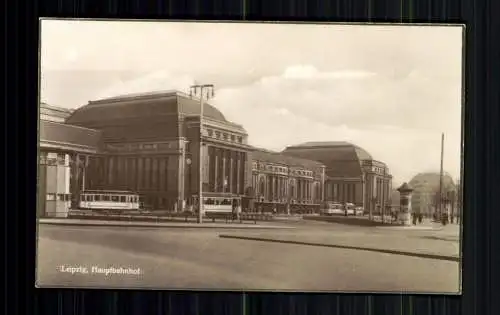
200,259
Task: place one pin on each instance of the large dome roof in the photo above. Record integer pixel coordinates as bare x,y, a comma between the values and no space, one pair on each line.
342,159
361,153
136,106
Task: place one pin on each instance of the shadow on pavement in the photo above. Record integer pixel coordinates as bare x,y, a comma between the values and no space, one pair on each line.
378,250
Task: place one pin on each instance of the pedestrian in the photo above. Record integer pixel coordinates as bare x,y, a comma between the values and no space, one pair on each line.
420,218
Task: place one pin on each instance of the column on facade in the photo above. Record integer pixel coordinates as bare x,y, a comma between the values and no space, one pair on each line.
271,187
223,170
238,172
275,190
216,169
282,196
287,191
304,189
301,189
231,173
297,188
308,189
363,190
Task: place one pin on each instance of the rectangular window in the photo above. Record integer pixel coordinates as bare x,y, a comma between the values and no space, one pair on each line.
123,199
147,173
140,173
133,173
161,174
51,197
115,198
98,197
111,170
106,198
154,173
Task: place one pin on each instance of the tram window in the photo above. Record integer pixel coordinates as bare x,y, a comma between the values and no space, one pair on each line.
106,198
60,197
209,201
217,202
98,197
123,199
115,198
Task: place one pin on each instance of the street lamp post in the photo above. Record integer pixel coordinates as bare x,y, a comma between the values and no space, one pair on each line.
203,90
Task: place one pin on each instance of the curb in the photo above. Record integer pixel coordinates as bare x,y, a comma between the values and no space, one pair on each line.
383,251
174,225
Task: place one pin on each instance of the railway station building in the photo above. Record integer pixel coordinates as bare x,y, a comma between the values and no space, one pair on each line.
149,144
352,174
286,184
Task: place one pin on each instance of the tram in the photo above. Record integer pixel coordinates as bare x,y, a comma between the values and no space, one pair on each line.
331,208
220,204
109,200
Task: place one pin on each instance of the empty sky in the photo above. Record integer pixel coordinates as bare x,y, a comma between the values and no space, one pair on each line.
389,89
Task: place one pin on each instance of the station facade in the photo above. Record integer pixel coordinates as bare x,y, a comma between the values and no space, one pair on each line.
351,174
149,144
286,184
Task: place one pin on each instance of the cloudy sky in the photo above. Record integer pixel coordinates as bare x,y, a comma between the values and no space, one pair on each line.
389,89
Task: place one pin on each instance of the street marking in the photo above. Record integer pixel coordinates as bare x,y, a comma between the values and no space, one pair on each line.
384,251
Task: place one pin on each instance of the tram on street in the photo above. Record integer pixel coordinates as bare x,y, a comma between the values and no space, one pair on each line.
101,200
331,208
220,204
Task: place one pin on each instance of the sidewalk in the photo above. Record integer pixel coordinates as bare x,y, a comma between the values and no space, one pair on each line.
89,222
425,225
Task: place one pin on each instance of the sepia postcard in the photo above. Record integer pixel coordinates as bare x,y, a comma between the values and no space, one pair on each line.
250,156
